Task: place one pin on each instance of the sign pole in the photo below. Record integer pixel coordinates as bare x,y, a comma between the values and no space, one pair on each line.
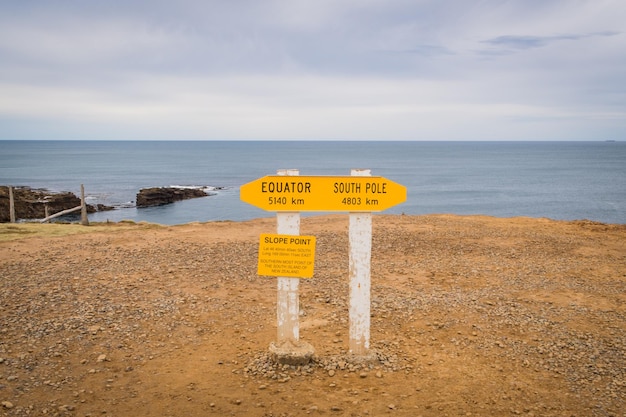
288,348
360,236
288,303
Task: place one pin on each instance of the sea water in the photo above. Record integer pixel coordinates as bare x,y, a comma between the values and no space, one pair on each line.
558,180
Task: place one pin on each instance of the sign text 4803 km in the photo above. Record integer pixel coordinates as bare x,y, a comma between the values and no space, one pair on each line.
323,193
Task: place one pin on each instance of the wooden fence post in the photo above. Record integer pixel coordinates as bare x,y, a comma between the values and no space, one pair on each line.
11,205
83,207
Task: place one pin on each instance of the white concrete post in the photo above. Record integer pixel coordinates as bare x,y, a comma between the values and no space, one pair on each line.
360,235
288,303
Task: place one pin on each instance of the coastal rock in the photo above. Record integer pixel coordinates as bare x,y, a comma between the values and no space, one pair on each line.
158,196
30,203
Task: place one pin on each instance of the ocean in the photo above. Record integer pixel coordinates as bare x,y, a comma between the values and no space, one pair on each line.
557,180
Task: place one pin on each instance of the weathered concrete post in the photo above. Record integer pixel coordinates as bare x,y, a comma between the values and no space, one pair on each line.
11,205
289,349
288,307
360,236
83,207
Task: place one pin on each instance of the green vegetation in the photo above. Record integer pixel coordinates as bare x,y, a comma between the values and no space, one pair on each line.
15,231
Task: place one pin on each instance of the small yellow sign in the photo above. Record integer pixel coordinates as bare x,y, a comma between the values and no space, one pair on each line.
323,193
286,255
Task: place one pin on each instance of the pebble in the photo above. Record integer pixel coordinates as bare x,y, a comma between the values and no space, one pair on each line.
519,271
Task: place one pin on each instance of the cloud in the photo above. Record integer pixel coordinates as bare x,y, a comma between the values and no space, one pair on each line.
526,42
510,42
372,69
314,107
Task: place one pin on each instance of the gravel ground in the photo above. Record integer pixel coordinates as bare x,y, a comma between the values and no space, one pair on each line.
469,316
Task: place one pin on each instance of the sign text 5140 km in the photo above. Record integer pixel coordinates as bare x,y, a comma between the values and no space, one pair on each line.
323,193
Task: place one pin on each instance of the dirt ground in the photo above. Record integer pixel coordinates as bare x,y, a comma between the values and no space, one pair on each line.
470,316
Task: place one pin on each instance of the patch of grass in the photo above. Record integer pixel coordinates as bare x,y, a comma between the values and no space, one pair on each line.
15,231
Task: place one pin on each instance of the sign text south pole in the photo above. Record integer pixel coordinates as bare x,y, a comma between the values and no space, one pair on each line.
323,193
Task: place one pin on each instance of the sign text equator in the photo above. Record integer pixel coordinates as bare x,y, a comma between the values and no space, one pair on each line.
323,193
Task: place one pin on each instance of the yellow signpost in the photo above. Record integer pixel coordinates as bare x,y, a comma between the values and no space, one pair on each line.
323,193
286,255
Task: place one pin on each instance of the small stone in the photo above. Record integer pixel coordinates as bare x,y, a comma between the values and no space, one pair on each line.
7,404
102,358
391,406
363,375
331,372
379,374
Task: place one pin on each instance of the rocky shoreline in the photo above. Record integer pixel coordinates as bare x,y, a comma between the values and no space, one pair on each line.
34,203
158,196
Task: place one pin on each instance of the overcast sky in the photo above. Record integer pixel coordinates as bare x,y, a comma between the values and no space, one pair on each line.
313,69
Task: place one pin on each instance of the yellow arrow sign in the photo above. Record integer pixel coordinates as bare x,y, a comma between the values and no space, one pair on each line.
322,193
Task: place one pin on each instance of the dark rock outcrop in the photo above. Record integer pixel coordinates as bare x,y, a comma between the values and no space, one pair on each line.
30,203
158,196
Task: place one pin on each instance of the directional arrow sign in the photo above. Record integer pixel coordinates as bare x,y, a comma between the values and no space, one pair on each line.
323,193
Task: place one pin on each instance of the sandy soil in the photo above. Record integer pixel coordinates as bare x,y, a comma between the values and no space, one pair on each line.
470,316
